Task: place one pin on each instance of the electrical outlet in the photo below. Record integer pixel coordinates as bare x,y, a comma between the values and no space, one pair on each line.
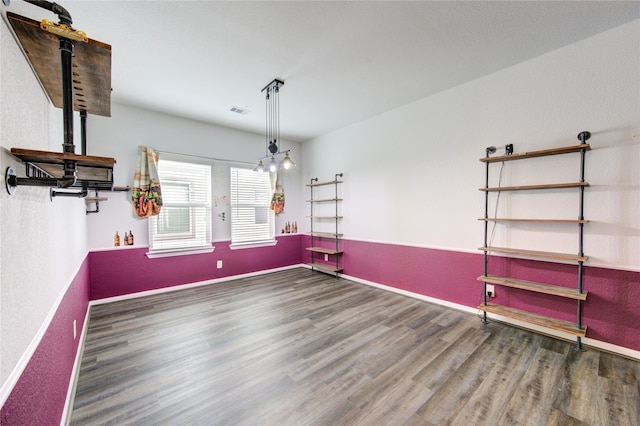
490,290
219,264
75,333
326,257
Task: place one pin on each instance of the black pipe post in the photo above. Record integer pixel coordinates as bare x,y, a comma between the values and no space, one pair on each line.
336,194
66,56
69,166
486,242
582,137
311,207
83,132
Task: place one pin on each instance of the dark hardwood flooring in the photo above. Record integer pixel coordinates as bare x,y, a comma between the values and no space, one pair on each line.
303,348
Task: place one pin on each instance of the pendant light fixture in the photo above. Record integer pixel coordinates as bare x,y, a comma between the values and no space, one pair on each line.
272,131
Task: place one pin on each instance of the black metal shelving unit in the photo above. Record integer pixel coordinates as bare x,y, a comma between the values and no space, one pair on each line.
576,329
325,243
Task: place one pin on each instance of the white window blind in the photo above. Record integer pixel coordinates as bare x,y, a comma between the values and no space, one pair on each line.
252,220
184,222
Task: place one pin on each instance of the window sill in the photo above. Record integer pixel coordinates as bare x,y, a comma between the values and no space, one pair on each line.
253,245
179,252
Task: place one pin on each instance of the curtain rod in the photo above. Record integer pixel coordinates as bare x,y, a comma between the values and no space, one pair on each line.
179,154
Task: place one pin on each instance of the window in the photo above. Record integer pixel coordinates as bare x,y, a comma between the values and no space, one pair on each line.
252,220
184,222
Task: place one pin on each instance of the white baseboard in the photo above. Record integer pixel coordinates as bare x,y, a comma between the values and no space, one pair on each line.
597,344
21,365
75,373
189,285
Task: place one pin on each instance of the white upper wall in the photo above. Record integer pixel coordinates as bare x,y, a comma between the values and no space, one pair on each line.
118,136
42,242
412,174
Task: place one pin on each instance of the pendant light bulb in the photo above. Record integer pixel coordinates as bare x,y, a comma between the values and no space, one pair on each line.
273,166
259,168
287,162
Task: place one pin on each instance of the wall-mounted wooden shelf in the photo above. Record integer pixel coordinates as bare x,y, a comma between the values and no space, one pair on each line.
532,187
555,290
323,267
536,319
323,250
540,153
497,219
44,168
324,200
534,253
48,157
324,217
324,234
329,182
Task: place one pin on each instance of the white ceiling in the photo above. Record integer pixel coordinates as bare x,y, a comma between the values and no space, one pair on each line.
341,62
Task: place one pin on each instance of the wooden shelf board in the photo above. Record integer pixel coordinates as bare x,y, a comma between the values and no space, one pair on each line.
331,182
531,318
325,234
324,200
540,153
92,199
496,219
48,157
534,286
532,187
323,250
533,253
325,268
324,217
91,66
121,188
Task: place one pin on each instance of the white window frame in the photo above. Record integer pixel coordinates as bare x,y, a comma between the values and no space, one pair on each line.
250,191
197,176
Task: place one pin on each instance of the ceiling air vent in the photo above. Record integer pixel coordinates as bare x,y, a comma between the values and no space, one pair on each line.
239,110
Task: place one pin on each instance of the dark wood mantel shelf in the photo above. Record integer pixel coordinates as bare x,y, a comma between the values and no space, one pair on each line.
91,66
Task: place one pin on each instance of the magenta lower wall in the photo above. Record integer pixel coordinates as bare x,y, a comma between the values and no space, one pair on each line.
610,312
126,271
39,396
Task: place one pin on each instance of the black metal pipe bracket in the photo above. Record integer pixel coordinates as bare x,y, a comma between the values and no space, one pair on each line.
77,194
63,14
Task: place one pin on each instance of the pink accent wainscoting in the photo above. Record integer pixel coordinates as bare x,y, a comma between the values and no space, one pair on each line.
39,396
126,271
610,312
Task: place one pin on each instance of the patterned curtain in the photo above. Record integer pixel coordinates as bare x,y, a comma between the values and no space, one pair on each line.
146,194
277,193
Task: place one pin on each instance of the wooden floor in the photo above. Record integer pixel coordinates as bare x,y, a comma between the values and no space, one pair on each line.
302,348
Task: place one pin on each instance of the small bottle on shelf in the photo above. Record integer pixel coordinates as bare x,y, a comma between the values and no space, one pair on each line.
116,240
130,239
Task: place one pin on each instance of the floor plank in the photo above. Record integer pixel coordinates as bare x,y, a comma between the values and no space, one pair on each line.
299,347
